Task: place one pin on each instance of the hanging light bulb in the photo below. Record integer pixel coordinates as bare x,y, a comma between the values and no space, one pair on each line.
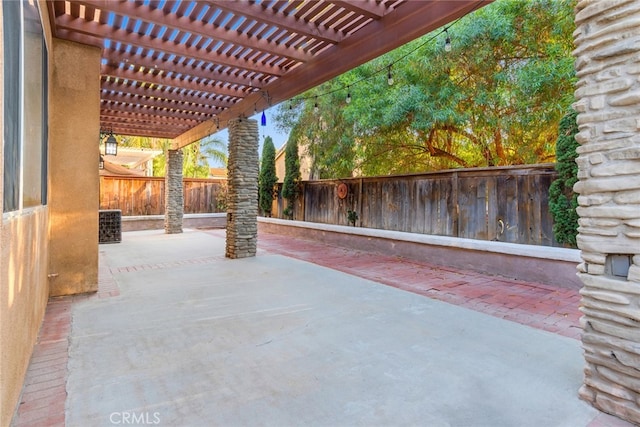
447,41
263,120
348,100
389,77
315,106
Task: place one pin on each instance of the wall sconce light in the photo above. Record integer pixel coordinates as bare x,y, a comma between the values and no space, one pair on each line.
111,146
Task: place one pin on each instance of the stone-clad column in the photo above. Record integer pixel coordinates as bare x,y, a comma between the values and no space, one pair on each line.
608,102
242,179
173,196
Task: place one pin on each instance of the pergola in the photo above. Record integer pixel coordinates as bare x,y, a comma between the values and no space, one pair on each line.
182,69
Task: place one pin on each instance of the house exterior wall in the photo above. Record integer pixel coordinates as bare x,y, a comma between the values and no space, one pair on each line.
305,163
608,102
23,298
24,290
74,128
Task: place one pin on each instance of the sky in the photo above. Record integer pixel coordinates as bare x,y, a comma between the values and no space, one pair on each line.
279,138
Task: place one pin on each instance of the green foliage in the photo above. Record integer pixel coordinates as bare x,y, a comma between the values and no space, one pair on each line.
291,175
195,157
222,197
495,99
195,161
352,217
562,200
267,179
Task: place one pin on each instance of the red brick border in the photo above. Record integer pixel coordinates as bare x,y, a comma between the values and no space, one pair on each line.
533,304
44,394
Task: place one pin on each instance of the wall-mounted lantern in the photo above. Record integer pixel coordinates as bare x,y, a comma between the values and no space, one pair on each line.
111,146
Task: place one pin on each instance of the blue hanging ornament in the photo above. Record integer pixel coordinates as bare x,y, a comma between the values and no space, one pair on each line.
263,121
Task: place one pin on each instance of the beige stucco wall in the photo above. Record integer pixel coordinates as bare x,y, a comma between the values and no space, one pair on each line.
23,299
74,128
24,290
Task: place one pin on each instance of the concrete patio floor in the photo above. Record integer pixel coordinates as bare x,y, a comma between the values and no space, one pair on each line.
180,336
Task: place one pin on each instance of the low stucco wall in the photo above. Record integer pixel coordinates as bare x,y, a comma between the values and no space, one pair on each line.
24,293
156,222
543,264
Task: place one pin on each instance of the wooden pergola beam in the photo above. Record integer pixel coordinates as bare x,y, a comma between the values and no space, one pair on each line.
412,20
103,31
164,93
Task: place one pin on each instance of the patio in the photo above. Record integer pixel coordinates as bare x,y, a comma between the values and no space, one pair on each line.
179,335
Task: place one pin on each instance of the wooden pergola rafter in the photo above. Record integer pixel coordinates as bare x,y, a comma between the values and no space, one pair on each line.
206,62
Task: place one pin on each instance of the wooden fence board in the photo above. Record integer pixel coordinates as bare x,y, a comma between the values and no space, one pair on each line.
145,195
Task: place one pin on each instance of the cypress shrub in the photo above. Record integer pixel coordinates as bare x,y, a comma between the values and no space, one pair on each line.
267,179
562,200
292,176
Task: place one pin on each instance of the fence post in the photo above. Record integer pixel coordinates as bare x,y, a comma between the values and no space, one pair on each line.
456,206
360,201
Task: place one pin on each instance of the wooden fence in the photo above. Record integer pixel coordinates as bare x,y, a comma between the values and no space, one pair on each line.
145,195
508,204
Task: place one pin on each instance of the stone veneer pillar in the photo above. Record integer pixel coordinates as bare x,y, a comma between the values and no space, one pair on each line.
607,56
242,180
173,196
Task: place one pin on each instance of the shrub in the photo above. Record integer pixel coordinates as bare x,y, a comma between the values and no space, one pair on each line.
562,200
267,179
291,175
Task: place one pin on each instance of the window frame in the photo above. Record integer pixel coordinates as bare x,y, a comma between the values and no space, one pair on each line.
16,163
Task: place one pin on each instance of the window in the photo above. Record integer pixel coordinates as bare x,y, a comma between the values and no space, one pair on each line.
25,107
12,40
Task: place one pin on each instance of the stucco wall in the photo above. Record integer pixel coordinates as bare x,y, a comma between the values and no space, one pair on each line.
23,283
23,299
74,128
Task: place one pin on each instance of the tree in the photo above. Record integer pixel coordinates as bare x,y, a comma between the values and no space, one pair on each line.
196,156
495,99
562,200
291,175
267,179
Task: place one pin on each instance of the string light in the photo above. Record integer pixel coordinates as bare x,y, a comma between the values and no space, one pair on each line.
390,80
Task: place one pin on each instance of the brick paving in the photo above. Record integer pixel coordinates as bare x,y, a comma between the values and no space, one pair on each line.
533,304
44,393
540,306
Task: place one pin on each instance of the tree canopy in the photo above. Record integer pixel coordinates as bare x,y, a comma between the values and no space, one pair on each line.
495,99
